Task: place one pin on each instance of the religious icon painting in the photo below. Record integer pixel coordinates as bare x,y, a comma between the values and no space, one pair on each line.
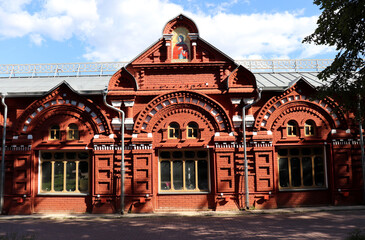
180,45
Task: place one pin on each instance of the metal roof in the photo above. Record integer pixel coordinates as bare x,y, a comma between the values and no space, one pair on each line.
92,78
38,86
282,80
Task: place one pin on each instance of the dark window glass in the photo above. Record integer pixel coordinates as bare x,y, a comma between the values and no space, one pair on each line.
165,169
174,130
189,154
46,155
70,176
165,154
192,130
190,175
318,171
202,154
83,155
294,151
178,175
58,155
307,171
55,132
58,176
283,152
283,172
70,155
177,154
306,151
73,132
318,151
292,128
46,176
83,176
203,175
295,172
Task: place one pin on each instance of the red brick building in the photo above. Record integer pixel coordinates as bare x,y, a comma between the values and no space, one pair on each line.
183,143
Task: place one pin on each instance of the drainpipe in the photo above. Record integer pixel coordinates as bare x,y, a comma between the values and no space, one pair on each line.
122,168
3,154
247,192
362,149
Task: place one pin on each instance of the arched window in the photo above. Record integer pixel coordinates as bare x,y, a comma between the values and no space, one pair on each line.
309,128
192,130
54,132
292,128
72,132
174,130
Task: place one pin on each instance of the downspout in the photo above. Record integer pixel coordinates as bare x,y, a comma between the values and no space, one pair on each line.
122,168
362,149
3,154
247,192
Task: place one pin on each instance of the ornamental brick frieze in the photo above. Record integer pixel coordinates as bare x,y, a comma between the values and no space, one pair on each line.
204,108
64,103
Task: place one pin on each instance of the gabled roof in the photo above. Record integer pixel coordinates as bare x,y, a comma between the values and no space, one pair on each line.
94,85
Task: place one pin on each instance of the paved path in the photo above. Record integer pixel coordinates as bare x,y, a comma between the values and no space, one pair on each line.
306,225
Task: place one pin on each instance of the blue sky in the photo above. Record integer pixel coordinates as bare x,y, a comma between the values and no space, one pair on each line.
61,31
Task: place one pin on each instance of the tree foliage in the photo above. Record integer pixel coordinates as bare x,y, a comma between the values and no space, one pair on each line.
342,25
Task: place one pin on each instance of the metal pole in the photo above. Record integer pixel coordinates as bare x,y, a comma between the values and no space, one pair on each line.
362,149
3,155
122,168
247,192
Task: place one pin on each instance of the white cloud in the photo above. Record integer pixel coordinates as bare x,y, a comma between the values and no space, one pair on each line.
36,39
118,30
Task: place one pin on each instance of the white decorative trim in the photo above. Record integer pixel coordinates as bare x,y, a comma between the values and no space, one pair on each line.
128,123
129,103
236,101
116,103
345,141
17,148
116,123
237,121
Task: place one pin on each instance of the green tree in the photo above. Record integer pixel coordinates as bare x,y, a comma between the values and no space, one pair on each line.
342,25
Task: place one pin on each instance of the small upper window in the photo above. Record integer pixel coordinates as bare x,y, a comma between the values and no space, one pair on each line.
292,128
72,132
54,132
192,130
310,128
174,130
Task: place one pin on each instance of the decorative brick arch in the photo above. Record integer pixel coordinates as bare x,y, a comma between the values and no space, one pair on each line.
178,21
62,101
292,100
205,108
205,121
306,111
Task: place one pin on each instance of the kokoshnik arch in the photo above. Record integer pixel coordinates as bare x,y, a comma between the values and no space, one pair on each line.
183,149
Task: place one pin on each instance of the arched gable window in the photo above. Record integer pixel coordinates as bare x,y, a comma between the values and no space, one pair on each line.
310,128
174,130
192,130
72,132
54,132
292,128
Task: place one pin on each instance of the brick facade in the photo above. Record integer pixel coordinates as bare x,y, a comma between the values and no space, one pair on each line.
155,90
